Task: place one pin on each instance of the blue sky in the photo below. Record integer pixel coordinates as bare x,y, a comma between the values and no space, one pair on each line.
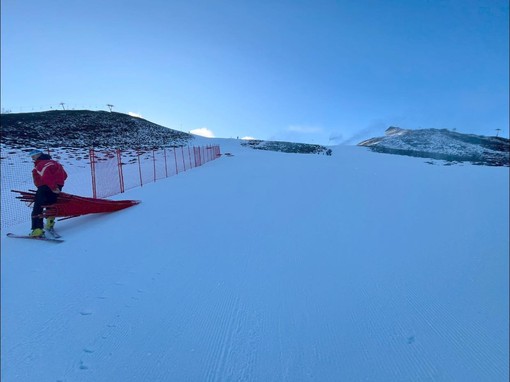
326,72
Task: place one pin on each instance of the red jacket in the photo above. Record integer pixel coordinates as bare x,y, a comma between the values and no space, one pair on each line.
48,172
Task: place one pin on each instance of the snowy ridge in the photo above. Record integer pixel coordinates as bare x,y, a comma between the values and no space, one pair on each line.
78,130
443,145
85,129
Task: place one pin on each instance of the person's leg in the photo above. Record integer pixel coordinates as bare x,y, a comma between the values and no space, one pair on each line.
51,199
50,223
43,197
37,219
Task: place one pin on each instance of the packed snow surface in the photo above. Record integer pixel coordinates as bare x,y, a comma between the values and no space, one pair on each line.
266,266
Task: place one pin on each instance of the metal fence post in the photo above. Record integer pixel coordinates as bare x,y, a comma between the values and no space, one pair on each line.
121,174
93,171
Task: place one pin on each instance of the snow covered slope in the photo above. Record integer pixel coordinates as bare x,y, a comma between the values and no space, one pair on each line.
351,267
443,145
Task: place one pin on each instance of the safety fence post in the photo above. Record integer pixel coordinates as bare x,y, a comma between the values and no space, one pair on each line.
93,171
175,158
166,168
139,168
183,162
121,175
154,163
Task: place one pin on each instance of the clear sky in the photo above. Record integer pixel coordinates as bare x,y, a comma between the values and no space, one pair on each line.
314,71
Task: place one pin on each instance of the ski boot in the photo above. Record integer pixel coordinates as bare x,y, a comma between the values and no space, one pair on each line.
37,232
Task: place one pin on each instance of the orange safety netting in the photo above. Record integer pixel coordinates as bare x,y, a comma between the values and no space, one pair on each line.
69,205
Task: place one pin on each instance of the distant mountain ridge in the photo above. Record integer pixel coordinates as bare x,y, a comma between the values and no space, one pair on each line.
442,144
101,129
84,129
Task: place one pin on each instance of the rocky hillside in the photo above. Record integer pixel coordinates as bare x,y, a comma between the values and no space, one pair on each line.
287,147
81,129
444,145
84,129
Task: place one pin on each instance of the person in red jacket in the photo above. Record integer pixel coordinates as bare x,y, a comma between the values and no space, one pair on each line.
49,178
